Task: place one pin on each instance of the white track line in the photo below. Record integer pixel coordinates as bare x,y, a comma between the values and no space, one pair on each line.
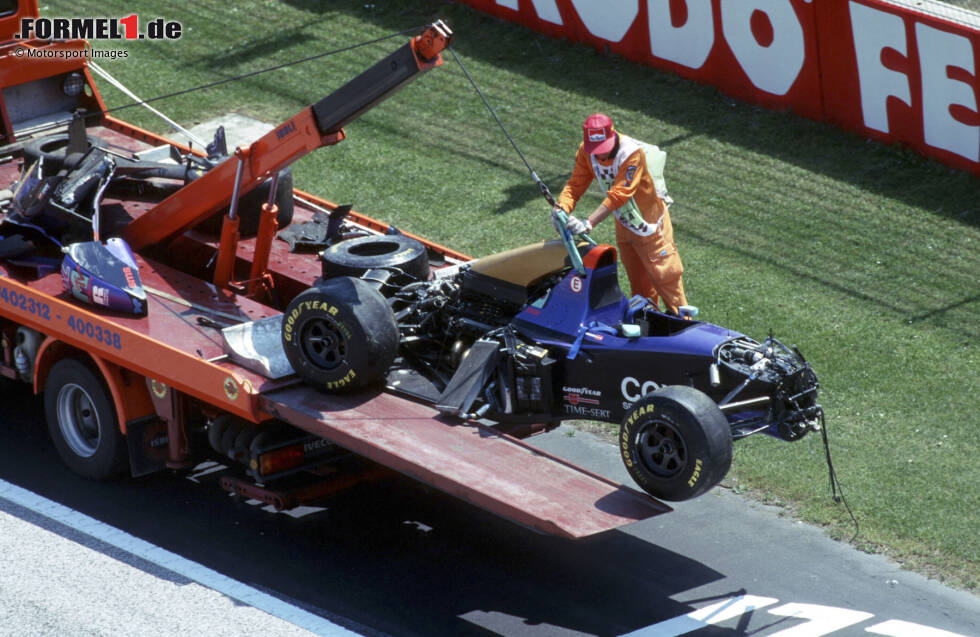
169,561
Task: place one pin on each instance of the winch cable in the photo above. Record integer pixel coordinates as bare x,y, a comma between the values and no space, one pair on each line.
235,78
131,95
543,187
837,491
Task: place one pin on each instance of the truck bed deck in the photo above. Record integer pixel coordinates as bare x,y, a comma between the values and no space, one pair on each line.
476,463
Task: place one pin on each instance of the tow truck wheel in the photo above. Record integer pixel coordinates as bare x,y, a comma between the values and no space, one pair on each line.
82,421
676,443
340,335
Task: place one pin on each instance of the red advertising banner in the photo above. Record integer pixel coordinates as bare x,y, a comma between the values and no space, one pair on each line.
901,75
896,71
763,51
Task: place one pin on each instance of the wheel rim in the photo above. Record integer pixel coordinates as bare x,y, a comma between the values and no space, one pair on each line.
78,420
662,449
323,343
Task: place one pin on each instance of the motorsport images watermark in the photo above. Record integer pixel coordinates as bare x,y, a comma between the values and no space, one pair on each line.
30,53
127,28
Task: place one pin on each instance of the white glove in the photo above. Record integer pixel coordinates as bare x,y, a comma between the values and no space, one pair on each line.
578,226
555,220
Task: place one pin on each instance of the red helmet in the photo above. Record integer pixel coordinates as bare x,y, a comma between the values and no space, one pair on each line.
598,134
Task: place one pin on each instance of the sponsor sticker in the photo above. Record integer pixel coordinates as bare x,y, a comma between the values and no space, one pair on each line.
100,295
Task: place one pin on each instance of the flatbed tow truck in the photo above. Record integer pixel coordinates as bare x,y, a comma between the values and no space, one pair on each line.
156,389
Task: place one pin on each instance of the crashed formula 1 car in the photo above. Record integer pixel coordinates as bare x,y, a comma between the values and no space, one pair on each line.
541,334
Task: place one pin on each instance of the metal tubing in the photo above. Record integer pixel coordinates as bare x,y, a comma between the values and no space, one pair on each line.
227,252
745,403
268,226
273,186
224,270
233,208
737,390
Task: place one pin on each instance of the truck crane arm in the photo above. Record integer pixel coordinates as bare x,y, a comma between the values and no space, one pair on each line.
318,125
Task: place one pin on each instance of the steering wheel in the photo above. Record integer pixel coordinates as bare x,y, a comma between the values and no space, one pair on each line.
570,241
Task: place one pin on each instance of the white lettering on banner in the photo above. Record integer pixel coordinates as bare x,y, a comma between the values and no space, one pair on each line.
688,44
609,20
823,619
874,31
772,68
939,50
547,10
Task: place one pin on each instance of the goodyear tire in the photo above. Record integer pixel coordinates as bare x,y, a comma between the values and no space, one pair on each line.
340,335
82,421
250,207
356,256
676,443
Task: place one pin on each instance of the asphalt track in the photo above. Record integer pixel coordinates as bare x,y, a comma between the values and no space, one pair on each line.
169,554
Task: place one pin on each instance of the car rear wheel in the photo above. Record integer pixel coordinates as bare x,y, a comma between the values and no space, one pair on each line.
340,335
676,443
82,421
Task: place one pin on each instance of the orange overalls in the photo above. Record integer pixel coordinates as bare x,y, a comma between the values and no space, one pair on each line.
644,234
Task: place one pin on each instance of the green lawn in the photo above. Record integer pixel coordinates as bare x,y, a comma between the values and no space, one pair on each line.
864,256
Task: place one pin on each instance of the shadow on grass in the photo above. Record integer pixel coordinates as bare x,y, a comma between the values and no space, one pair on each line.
925,316
253,50
884,302
889,171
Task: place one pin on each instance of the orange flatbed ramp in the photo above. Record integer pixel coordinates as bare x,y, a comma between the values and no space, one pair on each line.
476,463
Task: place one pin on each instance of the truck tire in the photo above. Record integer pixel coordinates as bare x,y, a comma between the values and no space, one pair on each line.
82,421
676,443
250,207
340,335
354,257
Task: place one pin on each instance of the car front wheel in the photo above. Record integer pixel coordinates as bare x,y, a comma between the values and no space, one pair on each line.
676,443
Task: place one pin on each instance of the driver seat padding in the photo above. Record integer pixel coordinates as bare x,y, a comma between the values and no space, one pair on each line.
525,265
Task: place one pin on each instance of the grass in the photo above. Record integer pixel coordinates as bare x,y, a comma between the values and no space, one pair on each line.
865,256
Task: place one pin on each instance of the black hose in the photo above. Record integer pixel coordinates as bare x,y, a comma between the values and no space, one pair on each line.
837,492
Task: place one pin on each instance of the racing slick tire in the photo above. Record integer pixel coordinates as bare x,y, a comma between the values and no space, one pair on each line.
676,443
340,335
53,149
356,256
82,421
